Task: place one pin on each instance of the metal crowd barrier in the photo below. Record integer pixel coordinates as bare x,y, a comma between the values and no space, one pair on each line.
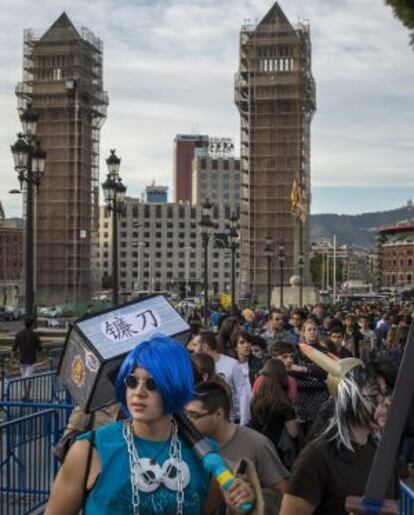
44,387
406,506
27,467
25,396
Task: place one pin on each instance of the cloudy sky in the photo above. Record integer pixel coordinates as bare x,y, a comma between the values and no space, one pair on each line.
169,68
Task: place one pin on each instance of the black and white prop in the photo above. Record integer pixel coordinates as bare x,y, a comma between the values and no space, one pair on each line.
96,346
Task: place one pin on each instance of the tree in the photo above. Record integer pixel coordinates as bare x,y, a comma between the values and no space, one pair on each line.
404,10
316,269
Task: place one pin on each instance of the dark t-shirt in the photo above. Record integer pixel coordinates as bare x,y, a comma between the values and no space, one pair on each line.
326,477
27,342
277,417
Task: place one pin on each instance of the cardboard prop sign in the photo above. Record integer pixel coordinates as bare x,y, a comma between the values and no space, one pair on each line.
96,346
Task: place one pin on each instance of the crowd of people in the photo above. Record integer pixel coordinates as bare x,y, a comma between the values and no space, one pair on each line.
289,400
257,396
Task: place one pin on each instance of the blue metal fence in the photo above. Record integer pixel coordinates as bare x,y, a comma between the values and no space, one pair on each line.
24,395
407,500
27,467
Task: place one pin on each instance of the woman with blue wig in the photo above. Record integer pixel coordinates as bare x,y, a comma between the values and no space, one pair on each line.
141,465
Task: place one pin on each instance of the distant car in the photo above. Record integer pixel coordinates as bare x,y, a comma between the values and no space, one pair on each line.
6,313
52,312
19,313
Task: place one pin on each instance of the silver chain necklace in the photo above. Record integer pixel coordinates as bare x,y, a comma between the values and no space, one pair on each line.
147,476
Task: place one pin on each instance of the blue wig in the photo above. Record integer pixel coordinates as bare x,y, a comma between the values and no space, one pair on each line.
169,364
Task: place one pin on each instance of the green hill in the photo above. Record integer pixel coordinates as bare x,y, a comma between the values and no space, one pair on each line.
356,230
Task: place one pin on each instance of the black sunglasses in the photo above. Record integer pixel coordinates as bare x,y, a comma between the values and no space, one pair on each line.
132,382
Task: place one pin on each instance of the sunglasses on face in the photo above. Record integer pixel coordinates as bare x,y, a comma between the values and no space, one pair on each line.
132,382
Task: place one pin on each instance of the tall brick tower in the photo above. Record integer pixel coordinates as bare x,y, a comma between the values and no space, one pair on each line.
62,79
275,95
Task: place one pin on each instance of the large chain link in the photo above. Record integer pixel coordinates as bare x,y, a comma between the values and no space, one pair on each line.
135,465
132,452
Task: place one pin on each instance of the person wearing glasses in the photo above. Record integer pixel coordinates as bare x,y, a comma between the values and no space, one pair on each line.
143,465
336,464
210,413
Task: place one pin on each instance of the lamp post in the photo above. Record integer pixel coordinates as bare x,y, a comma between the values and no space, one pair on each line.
301,264
281,257
114,192
233,241
206,228
268,252
29,163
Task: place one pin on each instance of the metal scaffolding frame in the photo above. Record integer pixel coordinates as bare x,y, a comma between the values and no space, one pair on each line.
275,95
62,79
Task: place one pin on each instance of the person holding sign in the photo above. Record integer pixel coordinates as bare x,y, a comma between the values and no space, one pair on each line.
143,465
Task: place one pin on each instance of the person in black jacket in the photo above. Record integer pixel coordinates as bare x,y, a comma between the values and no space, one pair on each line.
27,343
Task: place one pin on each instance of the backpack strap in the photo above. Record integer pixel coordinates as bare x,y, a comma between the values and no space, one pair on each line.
88,467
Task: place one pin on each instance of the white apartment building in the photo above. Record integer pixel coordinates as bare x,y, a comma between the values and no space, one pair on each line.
160,248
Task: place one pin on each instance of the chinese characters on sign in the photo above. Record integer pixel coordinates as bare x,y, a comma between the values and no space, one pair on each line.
124,327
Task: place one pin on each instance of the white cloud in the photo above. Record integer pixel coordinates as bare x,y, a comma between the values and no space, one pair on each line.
169,67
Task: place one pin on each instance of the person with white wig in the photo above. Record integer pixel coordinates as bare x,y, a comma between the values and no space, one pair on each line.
337,463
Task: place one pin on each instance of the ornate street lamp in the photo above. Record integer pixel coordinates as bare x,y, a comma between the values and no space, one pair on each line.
281,257
268,252
233,242
114,193
29,163
206,229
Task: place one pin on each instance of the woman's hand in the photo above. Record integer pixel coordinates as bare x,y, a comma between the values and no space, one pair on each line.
241,491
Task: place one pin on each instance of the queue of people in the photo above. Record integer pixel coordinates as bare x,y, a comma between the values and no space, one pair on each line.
245,383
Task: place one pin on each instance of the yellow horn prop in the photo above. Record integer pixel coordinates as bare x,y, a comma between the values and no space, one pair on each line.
336,369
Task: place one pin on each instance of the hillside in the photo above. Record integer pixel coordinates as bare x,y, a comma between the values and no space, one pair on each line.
356,230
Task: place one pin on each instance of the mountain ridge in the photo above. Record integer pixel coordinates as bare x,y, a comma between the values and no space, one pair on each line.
356,230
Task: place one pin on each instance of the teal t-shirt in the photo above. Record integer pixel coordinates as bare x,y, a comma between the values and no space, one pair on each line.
112,493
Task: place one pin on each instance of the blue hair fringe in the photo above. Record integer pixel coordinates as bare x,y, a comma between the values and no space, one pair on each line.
169,364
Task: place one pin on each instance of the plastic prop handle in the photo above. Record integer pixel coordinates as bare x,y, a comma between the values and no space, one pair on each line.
212,462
